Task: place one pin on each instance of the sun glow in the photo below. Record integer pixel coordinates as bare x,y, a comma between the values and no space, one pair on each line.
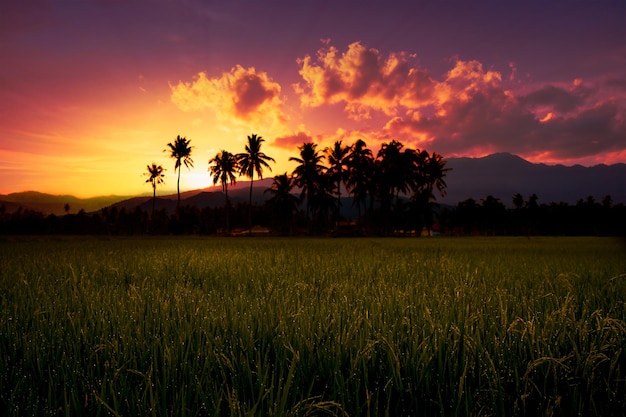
191,180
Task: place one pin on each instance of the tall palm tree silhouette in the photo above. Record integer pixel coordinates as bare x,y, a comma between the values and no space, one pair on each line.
180,150
253,160
282,200
360,173
435,172
337,157
155,177
307,175
397,172
223,168
394,170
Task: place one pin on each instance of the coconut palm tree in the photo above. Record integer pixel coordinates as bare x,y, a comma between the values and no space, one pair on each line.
435,171
282,200
394,171
223,168
180,150
253,160
360,172
155,177
398,171
307,175
337,157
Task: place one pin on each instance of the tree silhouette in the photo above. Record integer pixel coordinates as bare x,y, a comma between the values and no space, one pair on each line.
397,169
282,200
396,173
518,201
253,160
181,152
337,157
360,173
155,177
223,168
308,174
434,172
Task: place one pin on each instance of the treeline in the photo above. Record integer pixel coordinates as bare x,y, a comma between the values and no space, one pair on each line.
487,216
391,193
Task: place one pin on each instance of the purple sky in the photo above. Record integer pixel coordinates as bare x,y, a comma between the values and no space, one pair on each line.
87,85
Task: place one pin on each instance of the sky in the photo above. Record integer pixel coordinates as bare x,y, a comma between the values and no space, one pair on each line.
92,91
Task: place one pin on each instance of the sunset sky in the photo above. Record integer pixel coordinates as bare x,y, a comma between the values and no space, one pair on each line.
92,91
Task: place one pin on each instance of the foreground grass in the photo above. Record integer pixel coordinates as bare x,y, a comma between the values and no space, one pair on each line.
196,326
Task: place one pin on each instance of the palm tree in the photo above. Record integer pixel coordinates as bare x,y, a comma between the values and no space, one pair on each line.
338,168
394,170
181,152
434,172
155,177
223,168
283,201
307,175
253,160
392,176
360,171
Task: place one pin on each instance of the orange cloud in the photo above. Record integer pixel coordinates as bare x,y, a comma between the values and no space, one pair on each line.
363,79
366,81
243,94
465,80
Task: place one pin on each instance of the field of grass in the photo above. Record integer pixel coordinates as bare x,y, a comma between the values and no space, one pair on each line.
304,327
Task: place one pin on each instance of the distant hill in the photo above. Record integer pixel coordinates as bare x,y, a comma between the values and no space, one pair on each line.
501,175
206,197
55,204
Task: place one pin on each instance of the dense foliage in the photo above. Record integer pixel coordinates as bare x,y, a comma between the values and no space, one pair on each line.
359,327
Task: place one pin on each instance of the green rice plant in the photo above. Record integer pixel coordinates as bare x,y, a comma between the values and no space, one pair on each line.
362,327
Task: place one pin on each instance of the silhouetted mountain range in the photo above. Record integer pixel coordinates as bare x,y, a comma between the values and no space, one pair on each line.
500,175
503,175
49,203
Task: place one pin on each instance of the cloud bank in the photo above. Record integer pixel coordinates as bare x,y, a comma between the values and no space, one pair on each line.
469,109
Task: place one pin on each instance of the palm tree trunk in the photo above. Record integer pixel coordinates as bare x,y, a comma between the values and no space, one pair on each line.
338,204
178,188
227,210
250,206
153,199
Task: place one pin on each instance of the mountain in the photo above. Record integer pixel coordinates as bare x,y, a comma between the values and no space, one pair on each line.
503,175
55,204
205,197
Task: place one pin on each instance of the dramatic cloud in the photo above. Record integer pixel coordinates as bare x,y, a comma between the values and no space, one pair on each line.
495,120
363,80
242,93
554,98
470,109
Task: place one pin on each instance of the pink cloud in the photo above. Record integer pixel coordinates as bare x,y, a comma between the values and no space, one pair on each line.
363,79
292,141
471,109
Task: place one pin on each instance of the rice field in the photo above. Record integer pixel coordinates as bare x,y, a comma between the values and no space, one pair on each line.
192,326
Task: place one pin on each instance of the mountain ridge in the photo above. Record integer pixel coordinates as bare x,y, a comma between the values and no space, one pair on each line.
503,175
